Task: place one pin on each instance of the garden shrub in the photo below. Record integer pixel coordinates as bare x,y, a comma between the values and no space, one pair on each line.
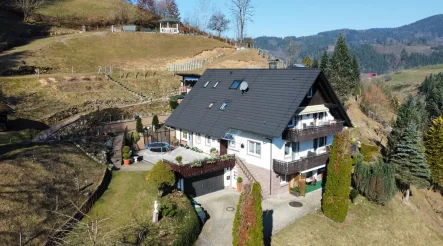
369,151
155,122
179,159
126,156
161,177
139,125
173,104
168,209
248,221
376,181
336,197
126,149
190,224
353,195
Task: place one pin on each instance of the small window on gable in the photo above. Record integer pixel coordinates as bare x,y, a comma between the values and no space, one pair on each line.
224,105
210,105
310,93
216,83
235,84
206,84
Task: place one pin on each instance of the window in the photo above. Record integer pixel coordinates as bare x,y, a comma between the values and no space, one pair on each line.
321,141
210,105
283,179
197,138
206,84
254,148
291,123
287,149
224,105
216,83
185,135
310,93
235,84
208,141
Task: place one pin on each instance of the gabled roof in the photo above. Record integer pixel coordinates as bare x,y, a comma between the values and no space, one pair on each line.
169,19
266,108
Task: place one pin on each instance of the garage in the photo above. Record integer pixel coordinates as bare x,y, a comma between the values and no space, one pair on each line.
204,184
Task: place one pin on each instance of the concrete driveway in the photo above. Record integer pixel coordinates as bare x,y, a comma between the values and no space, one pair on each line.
218,228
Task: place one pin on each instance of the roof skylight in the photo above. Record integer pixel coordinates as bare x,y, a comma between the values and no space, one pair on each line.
224,105
206,84
235,84
216,83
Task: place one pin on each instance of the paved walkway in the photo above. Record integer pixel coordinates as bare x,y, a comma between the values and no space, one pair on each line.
139,166
187,155
277,214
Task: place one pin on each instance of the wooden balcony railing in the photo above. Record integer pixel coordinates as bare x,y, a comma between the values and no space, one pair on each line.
297,166
187,170
299,135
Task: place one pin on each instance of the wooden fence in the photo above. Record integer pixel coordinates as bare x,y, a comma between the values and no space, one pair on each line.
194,64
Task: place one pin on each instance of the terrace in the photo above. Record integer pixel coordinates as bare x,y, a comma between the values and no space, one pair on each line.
314,159
312,132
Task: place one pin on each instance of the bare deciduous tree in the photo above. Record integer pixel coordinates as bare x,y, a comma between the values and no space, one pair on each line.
218,23
203,11
292,50
122,11
29,7
243,10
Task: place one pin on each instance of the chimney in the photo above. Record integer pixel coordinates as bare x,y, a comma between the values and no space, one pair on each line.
273,63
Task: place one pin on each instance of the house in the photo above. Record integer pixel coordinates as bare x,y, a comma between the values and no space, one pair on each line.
169,25
279,123
188,81
5,109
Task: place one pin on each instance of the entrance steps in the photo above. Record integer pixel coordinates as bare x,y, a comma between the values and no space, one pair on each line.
255,174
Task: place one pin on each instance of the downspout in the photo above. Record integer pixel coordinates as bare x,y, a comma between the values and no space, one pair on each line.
270,170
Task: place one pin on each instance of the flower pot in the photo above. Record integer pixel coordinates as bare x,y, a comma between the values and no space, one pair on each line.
239,187
126,162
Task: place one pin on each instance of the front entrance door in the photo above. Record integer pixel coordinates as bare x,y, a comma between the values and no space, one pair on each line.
223,147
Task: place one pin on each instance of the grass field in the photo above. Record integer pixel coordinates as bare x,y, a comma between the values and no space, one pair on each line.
85,52
39,179
368,224
407,81
128,204
102,9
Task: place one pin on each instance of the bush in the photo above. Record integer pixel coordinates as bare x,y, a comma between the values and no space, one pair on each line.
239,180
155,122
336,197
126,156
132,138
376,181
353,195
139,125
173,104
369,152
161,177
248,221
168,209
126,149
179,159
189,224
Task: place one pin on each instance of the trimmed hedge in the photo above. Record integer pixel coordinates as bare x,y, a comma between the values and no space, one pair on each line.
248,221
190,225
161,177
338,180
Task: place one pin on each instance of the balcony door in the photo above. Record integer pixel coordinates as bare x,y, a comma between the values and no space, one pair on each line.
295,151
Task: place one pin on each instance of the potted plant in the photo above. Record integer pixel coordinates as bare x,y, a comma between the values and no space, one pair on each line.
295,190
179,159
126,156
239,184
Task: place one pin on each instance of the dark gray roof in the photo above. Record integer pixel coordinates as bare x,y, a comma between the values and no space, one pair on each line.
266,108
169,19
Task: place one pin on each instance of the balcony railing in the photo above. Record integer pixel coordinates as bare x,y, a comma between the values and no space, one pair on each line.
187,170
303,164
299,135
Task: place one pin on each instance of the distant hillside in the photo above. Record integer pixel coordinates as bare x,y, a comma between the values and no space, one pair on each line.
381,45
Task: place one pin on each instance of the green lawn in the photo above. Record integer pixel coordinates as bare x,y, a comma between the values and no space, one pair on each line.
366,224
13,137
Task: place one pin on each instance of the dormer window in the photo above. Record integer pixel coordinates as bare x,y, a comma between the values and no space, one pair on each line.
309,93
224,105
216,83
206,84
235,84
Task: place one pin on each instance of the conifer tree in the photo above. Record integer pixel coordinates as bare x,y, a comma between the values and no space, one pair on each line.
434,150
324,64
409,159
341,73
315,63
432,87
139,125
172,8
336,197
412,111
356,72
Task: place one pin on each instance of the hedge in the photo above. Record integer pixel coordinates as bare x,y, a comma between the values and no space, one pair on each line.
190,225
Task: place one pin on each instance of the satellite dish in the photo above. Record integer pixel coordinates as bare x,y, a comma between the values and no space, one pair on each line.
244,86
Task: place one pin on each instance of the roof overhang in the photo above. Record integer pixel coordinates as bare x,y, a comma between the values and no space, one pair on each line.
311,109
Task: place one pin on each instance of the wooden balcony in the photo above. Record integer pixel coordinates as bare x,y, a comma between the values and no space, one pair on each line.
299,135
187,170
298,166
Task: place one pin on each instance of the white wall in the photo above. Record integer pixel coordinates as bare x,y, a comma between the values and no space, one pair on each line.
202,145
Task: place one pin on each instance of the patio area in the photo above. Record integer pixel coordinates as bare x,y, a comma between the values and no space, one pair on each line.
187,155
